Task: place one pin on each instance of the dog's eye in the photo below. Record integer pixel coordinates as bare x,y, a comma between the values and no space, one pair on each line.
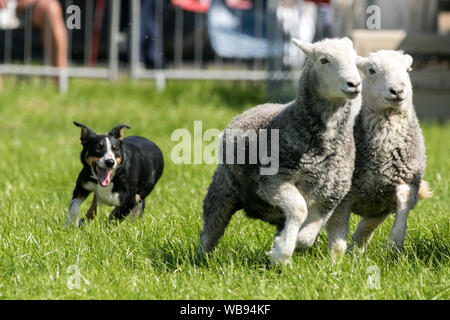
372,71
324,60
114,147
101,144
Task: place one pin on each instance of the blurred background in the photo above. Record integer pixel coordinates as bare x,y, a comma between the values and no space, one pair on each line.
233,40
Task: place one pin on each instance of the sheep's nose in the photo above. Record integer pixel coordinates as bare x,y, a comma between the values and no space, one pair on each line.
353,84
396,92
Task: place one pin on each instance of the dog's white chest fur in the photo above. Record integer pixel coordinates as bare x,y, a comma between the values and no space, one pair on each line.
104,194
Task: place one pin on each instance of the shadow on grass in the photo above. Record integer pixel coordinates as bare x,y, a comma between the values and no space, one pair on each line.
433,252
176,254
256,260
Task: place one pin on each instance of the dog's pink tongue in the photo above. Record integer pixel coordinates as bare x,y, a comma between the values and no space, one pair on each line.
104,176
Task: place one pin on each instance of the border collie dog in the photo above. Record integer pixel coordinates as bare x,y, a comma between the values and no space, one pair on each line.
120,171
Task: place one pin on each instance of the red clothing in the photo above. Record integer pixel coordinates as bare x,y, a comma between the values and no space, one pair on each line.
193,5
319,1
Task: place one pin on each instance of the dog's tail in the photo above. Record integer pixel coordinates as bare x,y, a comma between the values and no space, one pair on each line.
424,190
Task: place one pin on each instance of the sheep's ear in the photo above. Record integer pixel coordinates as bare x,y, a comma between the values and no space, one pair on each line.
361,63
117,131
86,133
307,48
347,39
409,61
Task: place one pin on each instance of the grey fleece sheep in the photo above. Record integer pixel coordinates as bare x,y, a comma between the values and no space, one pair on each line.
316,155
390,154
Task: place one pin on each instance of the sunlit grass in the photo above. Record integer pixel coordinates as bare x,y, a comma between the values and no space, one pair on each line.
153,257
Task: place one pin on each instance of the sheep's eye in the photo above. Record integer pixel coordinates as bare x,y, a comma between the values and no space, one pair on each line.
372,71
324,60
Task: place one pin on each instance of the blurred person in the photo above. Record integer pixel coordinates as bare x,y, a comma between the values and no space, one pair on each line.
201,6
298,20
150,51
325,19
42,12
8,16
239,4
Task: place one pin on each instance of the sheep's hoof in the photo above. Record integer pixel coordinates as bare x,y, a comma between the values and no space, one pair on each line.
201,255
337,253
338,247
392,246
356,249
81,223
199,258
279,259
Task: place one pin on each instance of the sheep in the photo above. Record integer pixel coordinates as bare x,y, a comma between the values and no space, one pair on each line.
315,155
390,155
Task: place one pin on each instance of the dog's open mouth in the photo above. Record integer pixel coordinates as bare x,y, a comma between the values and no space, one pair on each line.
103,175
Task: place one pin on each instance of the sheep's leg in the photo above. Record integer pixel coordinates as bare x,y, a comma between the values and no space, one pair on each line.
285,196
406,199
337,229
364,231
311,228
219,206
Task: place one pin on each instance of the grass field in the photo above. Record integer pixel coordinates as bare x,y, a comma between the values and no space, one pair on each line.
153,257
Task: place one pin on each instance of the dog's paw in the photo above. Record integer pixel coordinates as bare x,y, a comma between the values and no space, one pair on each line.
71,223
81,223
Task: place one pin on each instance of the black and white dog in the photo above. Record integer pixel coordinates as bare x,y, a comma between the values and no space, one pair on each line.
121,173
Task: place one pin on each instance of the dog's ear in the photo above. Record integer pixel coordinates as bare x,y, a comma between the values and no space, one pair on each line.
86,133
117,131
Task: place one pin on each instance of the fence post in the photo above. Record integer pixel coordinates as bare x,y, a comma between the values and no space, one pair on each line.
113,39
28,32
63,80
135,17
274,61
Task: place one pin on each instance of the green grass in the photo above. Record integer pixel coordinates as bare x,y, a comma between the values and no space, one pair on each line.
153,257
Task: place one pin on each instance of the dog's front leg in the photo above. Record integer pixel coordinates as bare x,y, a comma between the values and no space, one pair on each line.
79,195
119,213
92,209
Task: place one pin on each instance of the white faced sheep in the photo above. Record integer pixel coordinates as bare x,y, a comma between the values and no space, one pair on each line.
390,154
316,155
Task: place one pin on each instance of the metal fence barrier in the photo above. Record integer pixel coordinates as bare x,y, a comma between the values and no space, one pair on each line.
266,21
188,42
197,67
194,64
